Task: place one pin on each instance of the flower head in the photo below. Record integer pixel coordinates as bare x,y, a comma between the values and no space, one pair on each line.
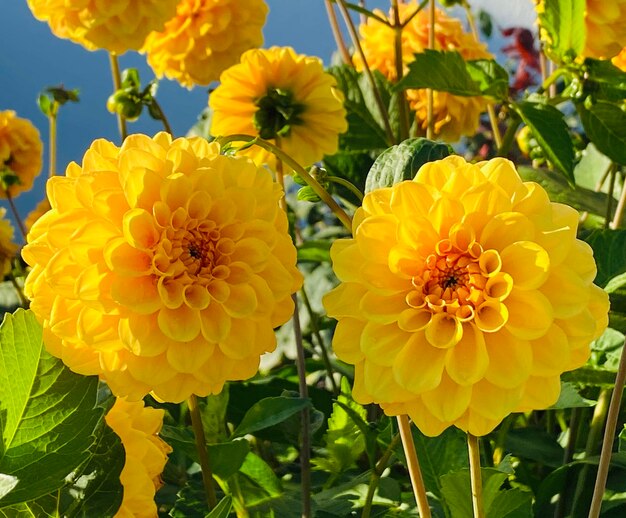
146,455
115,25
205,38
464,295
280,96
21,152
605,23
620,60
454,115
163,266
8,248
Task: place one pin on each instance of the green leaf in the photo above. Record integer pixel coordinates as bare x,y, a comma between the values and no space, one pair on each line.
402,162
534,444
492,79
616,288
222,510
609,251
548,126
257,470
269,412
316,251
45,104
308,194
590,376
571,398
591,168
603,80
351,165
564,21
605,125
47,414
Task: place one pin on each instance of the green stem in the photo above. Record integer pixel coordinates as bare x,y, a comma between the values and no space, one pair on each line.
509,135
302,172
609,196
203,454
430,116
619,210
16,214
377,473
417,481
162,117
421,6
551,79
348,185
609,437
52,146
475,476
117,84
403,107
568,455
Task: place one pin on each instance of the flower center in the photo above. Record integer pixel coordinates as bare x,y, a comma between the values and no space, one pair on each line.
277,112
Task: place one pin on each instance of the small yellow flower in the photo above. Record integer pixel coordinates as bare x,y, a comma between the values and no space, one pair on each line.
162,266
114,25
146,455
454,116
606,28
283,97
464,295
620,60
8,248
205,38
21,152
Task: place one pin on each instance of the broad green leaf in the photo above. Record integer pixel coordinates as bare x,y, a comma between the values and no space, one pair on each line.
213,414
604,81
492,79
591,168
47,412
269,412
609,251
548,126
590,376
534,444
351,165
616,288
564,21
222,510
257,470
605,125
190,500
402,161
570,398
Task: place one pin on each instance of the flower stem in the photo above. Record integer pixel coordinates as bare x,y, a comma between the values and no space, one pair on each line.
609,436
52,146
619,210
414,468
334,26
403,108
302,172
377,472
475,478
348,185
162,117
568,455
203,454
117,84
609,196
16,214
509,135
430,119
357,44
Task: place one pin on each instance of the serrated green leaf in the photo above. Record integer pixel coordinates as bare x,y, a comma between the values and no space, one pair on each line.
269,412
492,79
308,194
47,412
549,128
222,510
605,125
564,21
571,398
609,251
402,161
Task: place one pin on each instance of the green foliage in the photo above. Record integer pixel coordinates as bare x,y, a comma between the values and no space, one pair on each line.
564,21
609,251
269,412
605,125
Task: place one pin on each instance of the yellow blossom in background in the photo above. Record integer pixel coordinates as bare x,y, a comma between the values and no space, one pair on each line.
205,38
21,152
464,295
114,25
283,97
42,207
454,116
162,266
146,455
620,60
8,248
606,28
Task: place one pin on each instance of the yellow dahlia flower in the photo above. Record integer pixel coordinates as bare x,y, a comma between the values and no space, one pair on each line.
8,248
146,455
114,25
162,266
464,295
42,207
205,38
454,115
620,60
21,152
278,94
606,28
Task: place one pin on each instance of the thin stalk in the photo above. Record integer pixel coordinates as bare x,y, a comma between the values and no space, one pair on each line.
117,84
302,172
357,45
491,111
316,332
203,454
543,65
162,117
506,425
619,210
609,437
430,119
362,17
419,490
334,27
609,196
16,214
52,146
348,185
550,80
403,108
509,135
568,455
475,478
377,472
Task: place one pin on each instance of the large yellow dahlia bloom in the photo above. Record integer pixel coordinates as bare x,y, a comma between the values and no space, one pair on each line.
464,295
205,38
606,28
163,266
454,115
114,25
8,248
278,94
21,152
146,455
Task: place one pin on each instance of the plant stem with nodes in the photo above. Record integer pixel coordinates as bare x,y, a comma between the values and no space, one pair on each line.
403,107
117,84
203,454
430,99
475,477
52,146
334,26
417,481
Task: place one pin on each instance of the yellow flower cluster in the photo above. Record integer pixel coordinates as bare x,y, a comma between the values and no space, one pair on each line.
162,266
606,28
7,247
454,115
21,152
464,295
205,38
283,97
146,455
114,25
